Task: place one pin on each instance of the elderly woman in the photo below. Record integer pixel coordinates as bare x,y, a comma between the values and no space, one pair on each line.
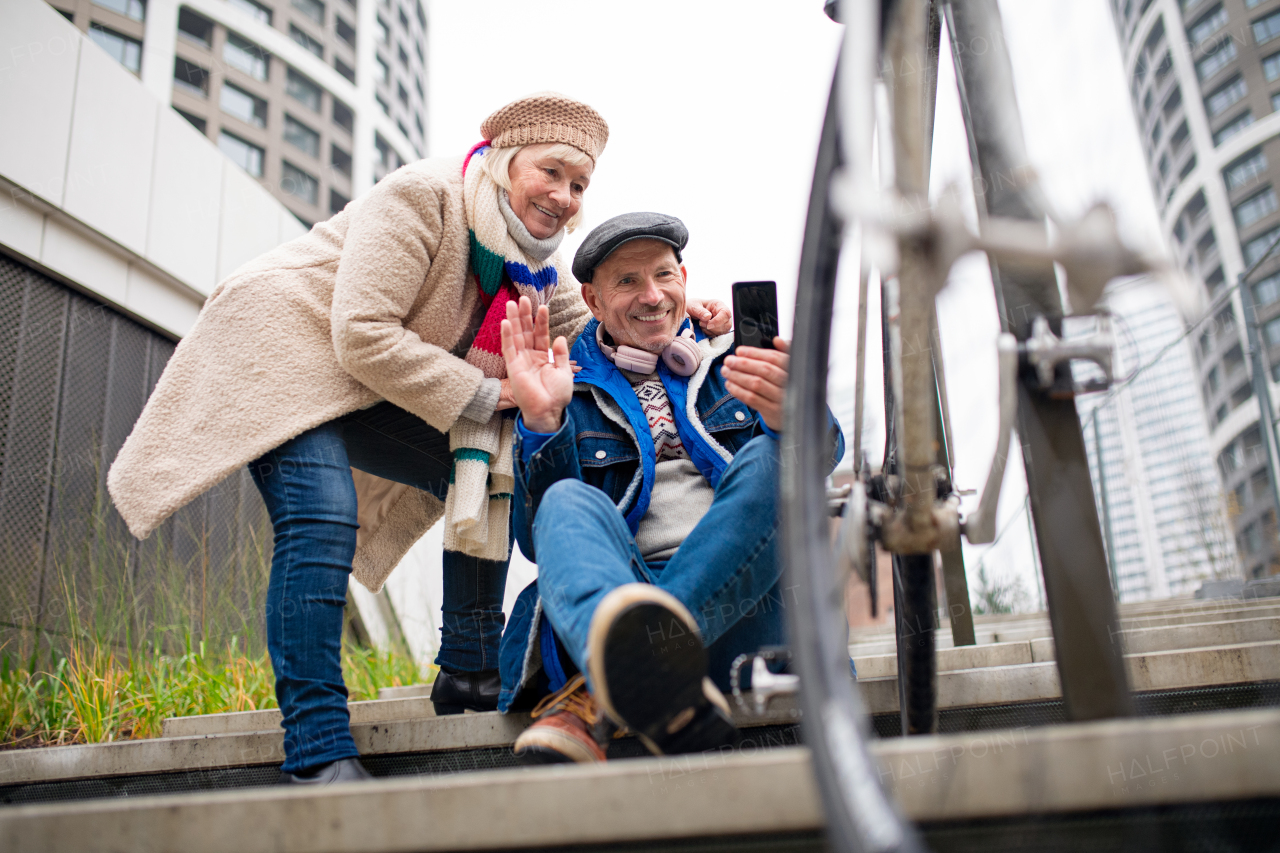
358,372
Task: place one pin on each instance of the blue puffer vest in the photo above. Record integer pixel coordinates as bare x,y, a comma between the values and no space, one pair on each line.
597,444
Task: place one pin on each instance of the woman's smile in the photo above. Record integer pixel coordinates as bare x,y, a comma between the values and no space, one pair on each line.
554,218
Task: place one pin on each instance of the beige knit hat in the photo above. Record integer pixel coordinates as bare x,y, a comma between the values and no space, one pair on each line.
547,117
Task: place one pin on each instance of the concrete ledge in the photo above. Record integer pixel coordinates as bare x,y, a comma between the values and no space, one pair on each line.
1173,670
1058,770
373,711
881,641
993,685
156,755
1135,640
1208,612
1189,610
413,691
956,689
380,733
1107,765
1201,667
163,755
1201,634
1043,649
962,657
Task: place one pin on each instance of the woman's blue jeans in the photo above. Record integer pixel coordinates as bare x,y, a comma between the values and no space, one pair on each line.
307,486
726,571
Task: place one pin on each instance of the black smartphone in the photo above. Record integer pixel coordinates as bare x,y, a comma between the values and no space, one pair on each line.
755,313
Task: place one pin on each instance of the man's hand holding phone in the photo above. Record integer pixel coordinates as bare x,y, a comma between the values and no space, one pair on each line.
758,377
757,371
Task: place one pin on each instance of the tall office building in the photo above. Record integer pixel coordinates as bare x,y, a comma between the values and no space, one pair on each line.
1159,498
1205,81
317,99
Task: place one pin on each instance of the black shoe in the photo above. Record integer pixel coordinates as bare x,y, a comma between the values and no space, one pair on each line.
649,669
455,692
344,770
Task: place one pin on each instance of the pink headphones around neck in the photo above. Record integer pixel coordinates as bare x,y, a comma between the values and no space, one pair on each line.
681,356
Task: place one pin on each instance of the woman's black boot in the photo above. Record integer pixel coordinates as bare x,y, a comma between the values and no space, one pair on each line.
455,692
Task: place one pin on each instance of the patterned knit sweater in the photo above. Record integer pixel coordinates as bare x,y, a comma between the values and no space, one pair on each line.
681,495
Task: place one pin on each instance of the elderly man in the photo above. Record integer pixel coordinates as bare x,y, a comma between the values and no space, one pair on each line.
646,490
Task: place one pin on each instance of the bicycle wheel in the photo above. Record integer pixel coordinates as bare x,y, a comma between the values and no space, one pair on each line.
859,814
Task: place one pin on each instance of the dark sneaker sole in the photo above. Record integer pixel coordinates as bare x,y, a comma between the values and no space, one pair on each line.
649,667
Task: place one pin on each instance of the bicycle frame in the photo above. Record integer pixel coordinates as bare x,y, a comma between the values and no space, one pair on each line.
914,513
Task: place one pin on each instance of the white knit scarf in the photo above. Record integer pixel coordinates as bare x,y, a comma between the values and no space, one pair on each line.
506,266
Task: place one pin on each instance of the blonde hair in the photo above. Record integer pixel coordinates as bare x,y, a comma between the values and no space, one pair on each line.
497,165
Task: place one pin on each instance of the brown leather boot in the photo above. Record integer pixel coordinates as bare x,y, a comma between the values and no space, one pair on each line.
563,728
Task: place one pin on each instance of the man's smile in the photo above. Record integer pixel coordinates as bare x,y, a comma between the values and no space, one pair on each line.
652,318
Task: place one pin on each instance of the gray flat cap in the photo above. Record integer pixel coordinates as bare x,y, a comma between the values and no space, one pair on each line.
612,233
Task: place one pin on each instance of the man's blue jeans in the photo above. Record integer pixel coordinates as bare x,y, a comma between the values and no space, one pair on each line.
726,572
307,486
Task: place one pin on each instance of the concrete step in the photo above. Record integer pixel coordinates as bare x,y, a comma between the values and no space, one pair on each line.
1024,629
967,688
413,691
782,709
1040,650
373,711
1038,682
241,748
1196,611
1236,610
411,702
1172,605
996,655
213,741
1189,611
963,657
864,645
996,776
1201,634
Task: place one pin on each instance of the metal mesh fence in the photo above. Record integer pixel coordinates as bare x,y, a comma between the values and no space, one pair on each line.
74,376
1248,825
1231,827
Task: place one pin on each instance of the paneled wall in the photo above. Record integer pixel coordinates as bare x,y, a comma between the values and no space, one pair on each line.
74,375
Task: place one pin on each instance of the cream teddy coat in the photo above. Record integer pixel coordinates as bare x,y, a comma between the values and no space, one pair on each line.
364,307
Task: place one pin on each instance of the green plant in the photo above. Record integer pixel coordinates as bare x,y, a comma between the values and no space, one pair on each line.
100,693
365,670
127,633
93,696
997,595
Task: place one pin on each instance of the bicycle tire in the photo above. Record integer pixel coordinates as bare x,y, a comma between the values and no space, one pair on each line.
915,606
859,815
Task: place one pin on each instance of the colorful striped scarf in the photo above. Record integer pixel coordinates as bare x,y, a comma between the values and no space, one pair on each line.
478,505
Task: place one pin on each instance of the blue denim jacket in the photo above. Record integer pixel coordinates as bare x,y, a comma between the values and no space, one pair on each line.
597,444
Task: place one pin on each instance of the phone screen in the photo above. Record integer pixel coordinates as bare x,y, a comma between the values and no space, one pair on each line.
755,313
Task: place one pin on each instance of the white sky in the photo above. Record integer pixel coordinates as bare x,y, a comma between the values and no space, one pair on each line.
714,110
